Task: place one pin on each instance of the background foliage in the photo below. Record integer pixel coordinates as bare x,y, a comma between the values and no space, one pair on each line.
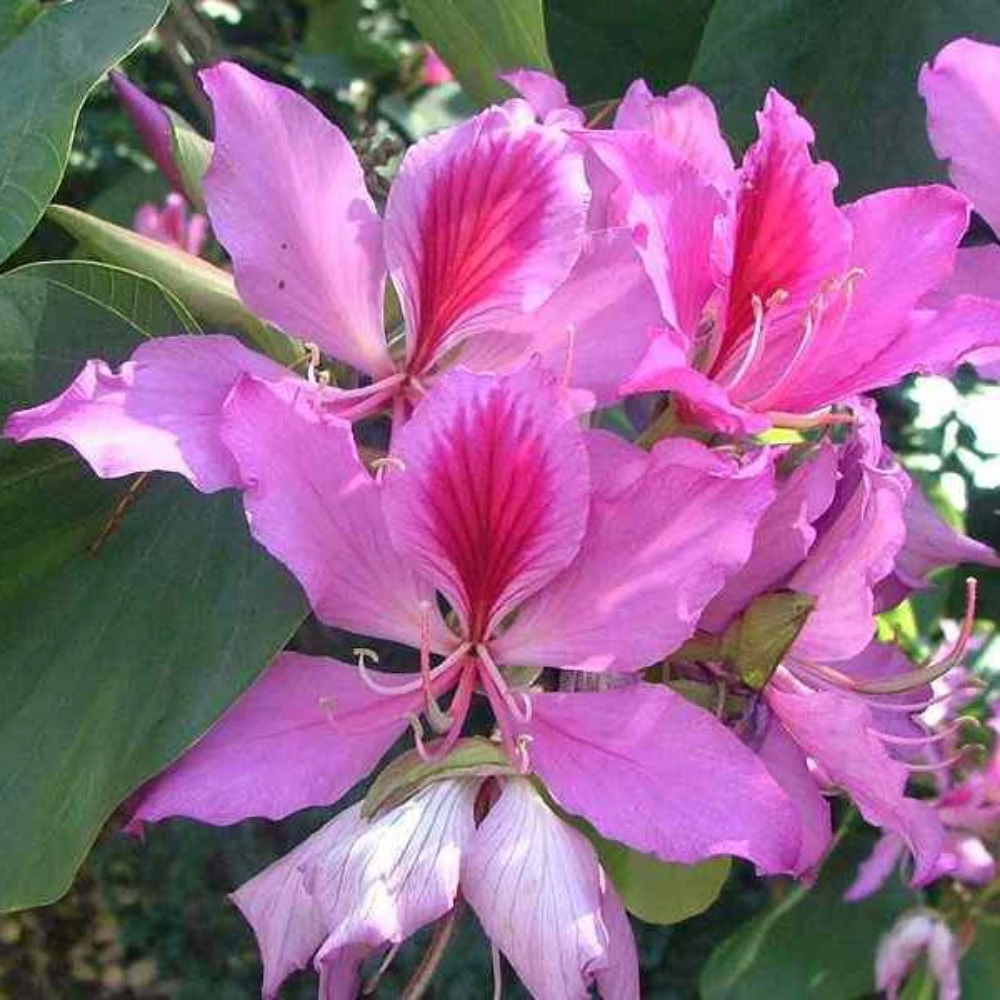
150,919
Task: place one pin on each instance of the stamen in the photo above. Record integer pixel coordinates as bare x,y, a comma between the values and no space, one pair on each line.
756,346
520,714
967,752
383,462
418,738
965,721
974,685
521,745
810,421
439,719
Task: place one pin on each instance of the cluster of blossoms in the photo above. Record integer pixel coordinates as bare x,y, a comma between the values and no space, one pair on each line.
666,629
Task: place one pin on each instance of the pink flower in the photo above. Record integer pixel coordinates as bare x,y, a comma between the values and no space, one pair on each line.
778,302
961,87
490,499
899,951
535,884
484,223
434,70
171,225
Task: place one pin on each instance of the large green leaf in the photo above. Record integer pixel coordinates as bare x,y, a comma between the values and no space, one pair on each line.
599,48
479,39
47,71
112,663
851,65
811,945
15,16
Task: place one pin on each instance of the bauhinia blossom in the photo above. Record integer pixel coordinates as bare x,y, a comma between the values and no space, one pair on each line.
359,886
484,222
778,302
913,935
490,498
172,225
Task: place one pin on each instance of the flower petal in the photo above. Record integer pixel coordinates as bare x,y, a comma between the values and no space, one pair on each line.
491,502
836,730
653,556
783,538
650,769
286,920
591,331
313,505
786,763
386,878
546,95
287,199
306,732
483,223
539,893
876,869
686,120
161,411
961,86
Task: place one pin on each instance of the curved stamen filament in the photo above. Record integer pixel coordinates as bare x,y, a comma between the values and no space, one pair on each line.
972,686
966,721
439,719
756,346
521,713
963,753
407,687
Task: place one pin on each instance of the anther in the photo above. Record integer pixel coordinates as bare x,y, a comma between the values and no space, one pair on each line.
379,465
521,745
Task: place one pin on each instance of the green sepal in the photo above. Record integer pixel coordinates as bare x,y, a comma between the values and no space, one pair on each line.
473,757
192,154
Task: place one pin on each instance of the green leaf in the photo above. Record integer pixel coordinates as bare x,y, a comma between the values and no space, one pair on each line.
658,892
112,663
207,291
981,964
192,154
474,757
47,72
479,39
850,65
811,945
437,108
15,16
599,48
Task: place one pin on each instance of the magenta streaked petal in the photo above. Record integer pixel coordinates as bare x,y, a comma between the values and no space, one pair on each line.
491,502
483,223
541,897
789,240
161,411
310,710
653,556
961,86
685,119
837,731
384,879
287,199
312,504
612,758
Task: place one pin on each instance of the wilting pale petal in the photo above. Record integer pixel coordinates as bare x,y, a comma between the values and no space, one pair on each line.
161,411
783,538
483,223
648,768
287,199
686,120
287,921
652,557
306,732
787,764
313,505
899,951
961,87
491,501
383,880
592,331
876,869
836,730
540,895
